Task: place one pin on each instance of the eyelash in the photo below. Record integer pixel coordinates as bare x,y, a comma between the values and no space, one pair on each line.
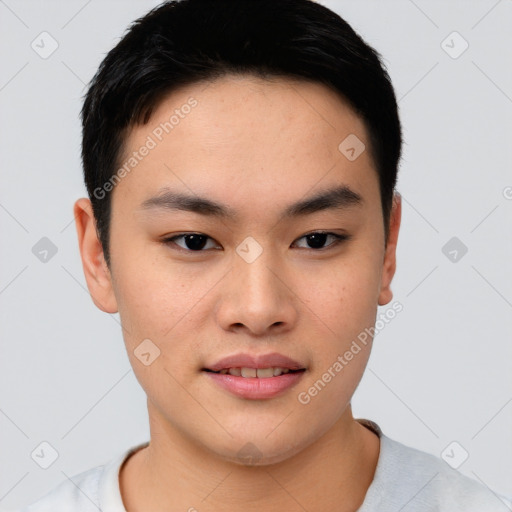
338,240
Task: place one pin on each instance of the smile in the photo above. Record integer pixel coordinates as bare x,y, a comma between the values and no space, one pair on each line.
255,383
260,373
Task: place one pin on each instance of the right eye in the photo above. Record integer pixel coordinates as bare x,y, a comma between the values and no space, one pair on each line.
194,242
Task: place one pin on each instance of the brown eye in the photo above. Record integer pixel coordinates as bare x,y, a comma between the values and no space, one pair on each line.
197,242
317,239
193,242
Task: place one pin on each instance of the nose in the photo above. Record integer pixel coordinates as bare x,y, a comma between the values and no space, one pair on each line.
258,297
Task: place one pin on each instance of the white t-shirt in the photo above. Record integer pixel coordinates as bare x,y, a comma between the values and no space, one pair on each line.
405,480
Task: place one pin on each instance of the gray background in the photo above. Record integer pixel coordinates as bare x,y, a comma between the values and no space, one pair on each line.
439,372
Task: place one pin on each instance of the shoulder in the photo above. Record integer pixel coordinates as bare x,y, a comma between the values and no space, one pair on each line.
90,491
79,494
410,479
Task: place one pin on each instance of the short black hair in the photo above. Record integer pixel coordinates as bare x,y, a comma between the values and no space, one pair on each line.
182,42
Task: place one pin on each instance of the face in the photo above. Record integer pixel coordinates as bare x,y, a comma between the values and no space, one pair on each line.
195,282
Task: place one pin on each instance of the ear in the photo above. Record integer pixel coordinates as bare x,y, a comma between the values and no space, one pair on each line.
389,265
97,274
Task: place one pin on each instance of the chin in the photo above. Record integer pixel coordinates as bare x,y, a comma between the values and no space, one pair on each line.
253,454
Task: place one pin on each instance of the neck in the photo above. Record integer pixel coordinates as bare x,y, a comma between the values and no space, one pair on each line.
333,472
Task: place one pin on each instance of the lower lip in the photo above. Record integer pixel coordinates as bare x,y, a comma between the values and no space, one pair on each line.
254,388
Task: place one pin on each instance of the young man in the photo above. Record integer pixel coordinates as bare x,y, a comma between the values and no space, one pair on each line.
222,142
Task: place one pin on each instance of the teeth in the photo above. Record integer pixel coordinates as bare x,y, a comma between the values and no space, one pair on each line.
265,373
248,372
261,373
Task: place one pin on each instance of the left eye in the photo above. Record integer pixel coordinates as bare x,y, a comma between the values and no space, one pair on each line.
318,238
196,242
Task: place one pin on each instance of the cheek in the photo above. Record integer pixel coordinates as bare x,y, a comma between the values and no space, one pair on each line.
165,302
343,295
152,295
156,304
341,312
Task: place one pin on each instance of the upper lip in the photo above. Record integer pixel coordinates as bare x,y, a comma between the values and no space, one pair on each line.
271,360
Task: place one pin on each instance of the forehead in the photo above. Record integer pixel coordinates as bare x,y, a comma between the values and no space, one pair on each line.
242,137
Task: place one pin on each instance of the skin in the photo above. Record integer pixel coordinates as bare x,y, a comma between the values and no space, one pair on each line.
256,146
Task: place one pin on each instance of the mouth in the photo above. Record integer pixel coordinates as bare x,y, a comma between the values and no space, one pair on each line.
258,373
255,383
255,377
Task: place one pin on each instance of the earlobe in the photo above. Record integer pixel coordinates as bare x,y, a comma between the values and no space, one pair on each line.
97,274
389,264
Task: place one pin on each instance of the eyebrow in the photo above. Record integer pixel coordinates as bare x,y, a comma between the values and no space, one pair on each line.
341,198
